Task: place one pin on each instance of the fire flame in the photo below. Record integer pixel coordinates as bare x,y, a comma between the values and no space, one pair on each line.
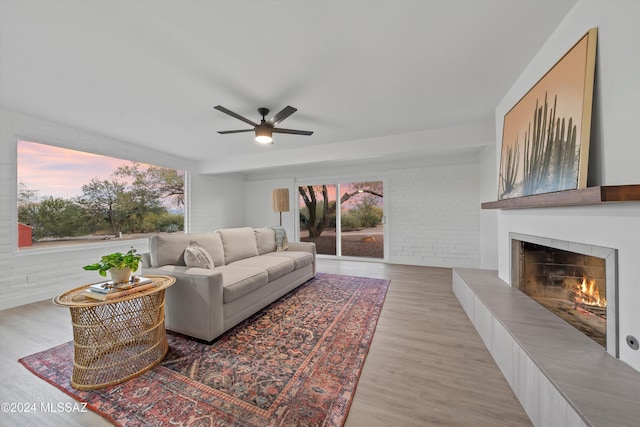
587,293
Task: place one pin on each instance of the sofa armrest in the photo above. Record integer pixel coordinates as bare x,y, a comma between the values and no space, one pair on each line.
193,305
303,247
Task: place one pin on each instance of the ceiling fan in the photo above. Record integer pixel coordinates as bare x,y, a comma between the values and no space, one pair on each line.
265,129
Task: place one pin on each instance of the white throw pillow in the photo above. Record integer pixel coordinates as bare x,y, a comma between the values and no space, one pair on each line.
197,256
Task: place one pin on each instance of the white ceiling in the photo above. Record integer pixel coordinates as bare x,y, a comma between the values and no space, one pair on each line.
359,72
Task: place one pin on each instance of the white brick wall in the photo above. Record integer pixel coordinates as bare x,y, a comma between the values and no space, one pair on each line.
433,212
215,202
433,216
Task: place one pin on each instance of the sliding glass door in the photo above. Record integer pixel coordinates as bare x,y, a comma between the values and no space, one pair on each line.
318,217
350,225
361,213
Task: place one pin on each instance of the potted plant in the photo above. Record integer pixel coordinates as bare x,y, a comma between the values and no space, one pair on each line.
119,265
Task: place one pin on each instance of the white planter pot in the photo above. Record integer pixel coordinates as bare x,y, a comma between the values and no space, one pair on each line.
120,276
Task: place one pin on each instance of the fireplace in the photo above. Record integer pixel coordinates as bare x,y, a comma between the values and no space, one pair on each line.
575,281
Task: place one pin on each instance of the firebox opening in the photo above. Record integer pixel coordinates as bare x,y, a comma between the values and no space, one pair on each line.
570,285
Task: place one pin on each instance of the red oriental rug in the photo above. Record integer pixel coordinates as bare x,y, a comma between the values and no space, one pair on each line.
295,363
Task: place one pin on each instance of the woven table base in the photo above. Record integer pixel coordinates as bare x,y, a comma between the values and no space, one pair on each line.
119,339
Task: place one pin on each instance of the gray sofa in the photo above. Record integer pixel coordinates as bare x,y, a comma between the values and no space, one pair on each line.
248,273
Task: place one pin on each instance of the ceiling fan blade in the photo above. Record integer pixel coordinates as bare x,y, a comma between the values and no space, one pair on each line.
236,115
292,131
286,112
224,132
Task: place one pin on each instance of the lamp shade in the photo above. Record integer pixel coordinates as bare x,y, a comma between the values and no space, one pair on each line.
280,199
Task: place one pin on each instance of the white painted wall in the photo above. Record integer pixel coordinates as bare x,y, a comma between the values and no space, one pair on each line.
260,212
614,157
488,218
40,274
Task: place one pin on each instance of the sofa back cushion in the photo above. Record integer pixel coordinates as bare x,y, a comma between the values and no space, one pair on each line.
266,240
238,243
168,249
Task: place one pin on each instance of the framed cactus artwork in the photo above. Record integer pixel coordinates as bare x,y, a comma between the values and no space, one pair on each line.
545,137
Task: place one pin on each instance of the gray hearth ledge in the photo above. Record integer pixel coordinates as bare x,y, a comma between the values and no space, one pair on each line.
560,376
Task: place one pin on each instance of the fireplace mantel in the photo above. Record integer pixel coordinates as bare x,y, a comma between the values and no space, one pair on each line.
587,196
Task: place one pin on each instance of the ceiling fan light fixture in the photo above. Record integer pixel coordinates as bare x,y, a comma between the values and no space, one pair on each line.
264,130
264,134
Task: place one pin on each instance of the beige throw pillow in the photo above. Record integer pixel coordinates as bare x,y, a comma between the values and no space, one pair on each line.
197,256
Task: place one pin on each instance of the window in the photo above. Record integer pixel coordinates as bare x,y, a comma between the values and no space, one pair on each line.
68,197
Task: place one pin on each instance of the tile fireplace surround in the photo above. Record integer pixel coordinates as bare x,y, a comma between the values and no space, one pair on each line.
561,377
607,255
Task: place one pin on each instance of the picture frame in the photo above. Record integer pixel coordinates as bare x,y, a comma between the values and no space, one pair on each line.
545,136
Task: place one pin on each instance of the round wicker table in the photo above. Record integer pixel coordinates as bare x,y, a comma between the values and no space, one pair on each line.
118,339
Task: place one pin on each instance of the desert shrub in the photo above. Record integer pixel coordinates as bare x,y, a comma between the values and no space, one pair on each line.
349,221
170,222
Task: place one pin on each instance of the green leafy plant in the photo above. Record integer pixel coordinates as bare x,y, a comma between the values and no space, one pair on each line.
116,260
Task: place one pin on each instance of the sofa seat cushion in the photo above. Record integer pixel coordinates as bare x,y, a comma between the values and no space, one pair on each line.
299,258
275,267
238,243
238,281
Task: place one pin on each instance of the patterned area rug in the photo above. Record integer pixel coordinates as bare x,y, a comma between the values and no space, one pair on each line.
295,363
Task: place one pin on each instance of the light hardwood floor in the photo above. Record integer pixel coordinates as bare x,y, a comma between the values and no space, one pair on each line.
426,366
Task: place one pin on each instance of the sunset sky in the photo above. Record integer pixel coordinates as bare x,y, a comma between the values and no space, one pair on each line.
331,189
60,172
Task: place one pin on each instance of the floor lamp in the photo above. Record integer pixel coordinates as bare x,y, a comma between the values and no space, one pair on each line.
280,199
